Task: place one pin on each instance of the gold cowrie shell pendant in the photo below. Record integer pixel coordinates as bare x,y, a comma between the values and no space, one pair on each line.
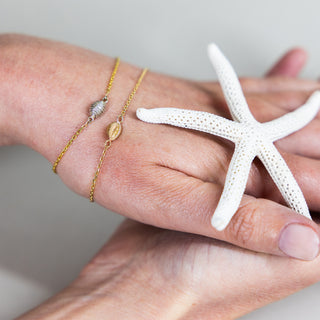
114,130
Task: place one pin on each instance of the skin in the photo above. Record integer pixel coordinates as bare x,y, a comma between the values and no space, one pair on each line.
149,273
176,275
173,182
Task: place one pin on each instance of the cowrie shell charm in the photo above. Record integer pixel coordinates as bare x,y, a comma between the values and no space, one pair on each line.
114,130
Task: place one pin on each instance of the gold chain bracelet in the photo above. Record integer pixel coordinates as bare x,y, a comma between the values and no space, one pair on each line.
96,110
114,130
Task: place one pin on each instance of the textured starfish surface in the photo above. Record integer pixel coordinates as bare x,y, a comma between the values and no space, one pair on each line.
251,139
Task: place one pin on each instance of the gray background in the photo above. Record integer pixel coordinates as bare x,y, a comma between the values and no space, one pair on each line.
46,232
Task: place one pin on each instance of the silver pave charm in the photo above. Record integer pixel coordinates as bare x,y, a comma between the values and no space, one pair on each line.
97,108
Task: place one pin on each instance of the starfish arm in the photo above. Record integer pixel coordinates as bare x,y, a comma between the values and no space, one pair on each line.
230,85
283,178
235,185
295,120
196,120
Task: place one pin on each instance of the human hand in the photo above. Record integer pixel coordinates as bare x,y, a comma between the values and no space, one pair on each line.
46,88
148,273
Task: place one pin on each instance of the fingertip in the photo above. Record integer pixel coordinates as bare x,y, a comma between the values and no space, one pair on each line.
290,64
299,52
299,56
265,226
299,241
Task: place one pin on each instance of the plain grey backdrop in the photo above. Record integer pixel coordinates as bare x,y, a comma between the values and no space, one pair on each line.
47,234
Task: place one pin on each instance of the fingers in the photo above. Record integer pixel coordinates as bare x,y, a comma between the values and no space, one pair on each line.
277,84
276,105
270,227
307,173
187,204
286,100
281,75
290,64
304,142
171,199
208,158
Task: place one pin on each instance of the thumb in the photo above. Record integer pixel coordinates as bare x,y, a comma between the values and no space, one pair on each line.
259,224
266,226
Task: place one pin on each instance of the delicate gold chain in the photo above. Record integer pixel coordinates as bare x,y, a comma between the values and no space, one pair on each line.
114,130
74,137
126,106
107,145
113,74
96,109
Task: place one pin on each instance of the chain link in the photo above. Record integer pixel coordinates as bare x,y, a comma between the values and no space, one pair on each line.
74,137
107,145
89,120
110,83
132,94
108,142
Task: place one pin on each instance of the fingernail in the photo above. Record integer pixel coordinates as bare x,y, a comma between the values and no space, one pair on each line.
299,241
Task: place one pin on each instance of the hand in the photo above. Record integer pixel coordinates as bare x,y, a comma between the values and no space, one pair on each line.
149,273
160,175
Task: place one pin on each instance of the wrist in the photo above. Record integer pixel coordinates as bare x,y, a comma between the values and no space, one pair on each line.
48,86
8,116
122,296
133,292
46,93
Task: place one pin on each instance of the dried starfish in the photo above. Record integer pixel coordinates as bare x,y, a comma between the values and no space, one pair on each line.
251,139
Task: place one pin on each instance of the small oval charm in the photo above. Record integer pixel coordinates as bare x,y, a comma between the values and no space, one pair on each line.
97,108
114,130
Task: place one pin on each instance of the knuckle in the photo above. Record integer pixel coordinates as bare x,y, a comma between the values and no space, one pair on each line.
242,225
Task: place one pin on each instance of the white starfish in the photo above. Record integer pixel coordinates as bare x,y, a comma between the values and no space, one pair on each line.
251,139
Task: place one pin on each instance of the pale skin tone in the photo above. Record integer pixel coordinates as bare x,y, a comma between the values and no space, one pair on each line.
151,274
159,175
164,176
